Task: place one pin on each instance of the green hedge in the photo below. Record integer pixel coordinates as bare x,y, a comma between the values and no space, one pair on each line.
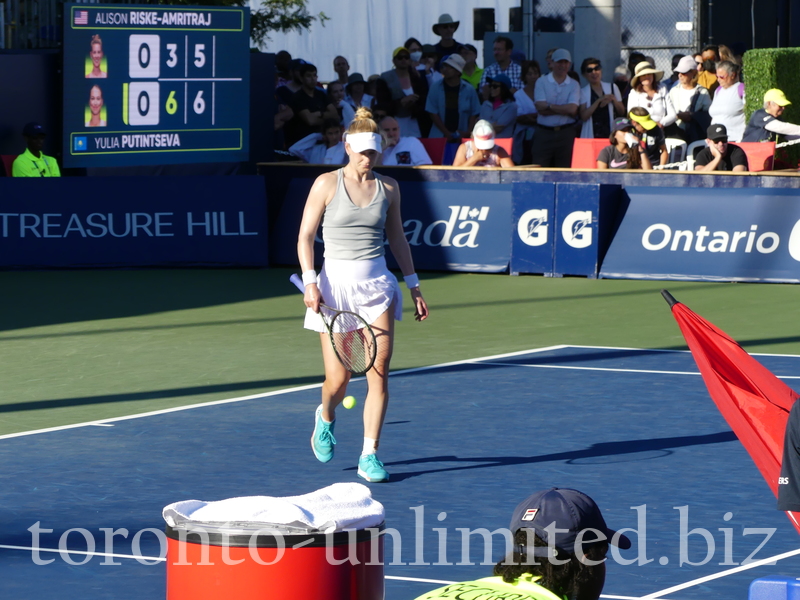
767,68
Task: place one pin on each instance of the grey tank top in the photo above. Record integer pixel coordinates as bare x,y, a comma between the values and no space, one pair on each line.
350,232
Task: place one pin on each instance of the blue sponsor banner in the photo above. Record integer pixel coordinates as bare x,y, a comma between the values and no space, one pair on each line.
709,234
533,228
449,226
133,221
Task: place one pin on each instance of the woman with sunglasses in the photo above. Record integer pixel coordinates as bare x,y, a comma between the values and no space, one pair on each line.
647,92
407,91
500,109
600,101
727,107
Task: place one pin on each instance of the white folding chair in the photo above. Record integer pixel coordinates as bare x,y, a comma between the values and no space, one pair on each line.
690,152
676,149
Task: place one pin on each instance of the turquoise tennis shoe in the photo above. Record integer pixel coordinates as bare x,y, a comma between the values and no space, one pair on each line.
371,469
322,440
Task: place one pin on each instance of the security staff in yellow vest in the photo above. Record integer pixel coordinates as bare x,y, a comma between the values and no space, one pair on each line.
33,162
560,542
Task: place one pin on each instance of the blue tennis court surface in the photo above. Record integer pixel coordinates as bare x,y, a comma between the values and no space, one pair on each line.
464,443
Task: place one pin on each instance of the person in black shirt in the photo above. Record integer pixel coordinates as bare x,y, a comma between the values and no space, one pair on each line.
310,106
720,155
624,151
655,144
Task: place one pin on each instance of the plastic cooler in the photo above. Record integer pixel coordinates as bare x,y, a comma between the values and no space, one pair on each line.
248,561
775,587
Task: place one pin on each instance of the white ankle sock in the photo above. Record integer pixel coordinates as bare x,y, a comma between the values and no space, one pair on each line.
370,446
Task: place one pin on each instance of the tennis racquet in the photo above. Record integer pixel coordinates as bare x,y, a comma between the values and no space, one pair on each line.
351,336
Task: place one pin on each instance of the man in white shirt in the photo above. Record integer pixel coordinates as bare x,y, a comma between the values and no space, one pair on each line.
557,98
401,151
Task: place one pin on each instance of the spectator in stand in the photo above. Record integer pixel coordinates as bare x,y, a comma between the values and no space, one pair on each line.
336,96
481,150
501,48
524,132
414,47
707,77
727,105
648,93
719,155
548,59
725,53
500,109
472,73
310,106
341,67
33,162
283,114
691,103
624,151
355,92
403,151
557,97
326,148
765,124
283,61
429,63
672,80
380,112
408,90
452,103
634,58
600,101
445,28
652,136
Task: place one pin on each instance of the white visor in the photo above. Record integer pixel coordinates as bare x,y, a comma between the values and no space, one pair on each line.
360,142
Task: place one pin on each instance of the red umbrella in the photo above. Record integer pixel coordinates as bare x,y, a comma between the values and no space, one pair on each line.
752,400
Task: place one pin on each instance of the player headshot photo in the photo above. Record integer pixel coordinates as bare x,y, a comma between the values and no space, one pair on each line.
96,63
95,112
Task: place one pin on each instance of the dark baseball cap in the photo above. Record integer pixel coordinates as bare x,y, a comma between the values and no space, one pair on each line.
565,513
717,132
33,129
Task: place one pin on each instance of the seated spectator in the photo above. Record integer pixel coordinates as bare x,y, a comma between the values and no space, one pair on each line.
560,541
336,97
500,109
766,125
445,28
341,68
355,95
310,106
557,97
526,115
326,148
648,93
652,136
472,73
502,48
719,155
408,92
600,101
452,103
709,58
406,151
33,162
727,104
691,103
429,63
625,149
481,150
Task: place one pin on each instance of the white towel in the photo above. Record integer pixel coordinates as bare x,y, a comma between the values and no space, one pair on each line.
338,507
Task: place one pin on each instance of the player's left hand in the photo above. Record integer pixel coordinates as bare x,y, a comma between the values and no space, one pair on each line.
420,306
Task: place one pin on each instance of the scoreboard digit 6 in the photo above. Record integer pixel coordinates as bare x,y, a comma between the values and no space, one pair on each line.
155,85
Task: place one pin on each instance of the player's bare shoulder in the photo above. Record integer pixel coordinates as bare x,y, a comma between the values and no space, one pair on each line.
324,186
392,187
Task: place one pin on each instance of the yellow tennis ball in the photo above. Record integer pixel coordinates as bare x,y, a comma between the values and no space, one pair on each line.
349,402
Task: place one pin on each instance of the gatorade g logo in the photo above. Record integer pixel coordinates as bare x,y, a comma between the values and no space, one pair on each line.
532,227
577,229
794,242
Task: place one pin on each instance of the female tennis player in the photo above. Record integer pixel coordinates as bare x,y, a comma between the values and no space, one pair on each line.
358,206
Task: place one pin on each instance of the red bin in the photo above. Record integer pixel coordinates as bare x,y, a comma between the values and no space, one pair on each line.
210,561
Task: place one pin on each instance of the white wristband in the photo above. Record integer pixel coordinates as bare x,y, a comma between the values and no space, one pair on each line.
412,281
309,277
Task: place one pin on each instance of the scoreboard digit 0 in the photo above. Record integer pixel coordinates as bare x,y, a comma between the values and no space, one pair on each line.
147,85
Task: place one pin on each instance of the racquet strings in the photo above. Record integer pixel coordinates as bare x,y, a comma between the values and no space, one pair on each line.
353,342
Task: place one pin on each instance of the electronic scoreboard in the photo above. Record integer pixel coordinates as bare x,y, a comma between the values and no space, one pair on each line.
149,85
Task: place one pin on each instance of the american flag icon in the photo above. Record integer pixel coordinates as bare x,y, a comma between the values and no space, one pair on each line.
81,17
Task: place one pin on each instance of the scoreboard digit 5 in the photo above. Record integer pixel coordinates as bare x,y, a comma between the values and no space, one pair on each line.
147,85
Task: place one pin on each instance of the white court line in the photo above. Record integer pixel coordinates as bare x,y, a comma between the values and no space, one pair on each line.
694,582
165,411
609,369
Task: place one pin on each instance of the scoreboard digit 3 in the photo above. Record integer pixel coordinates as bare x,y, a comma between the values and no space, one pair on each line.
150,85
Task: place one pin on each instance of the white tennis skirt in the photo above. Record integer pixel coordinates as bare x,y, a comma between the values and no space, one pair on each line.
366,287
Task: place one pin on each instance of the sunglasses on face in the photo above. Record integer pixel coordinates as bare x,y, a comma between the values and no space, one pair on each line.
402,57
495,86
593,69
448,26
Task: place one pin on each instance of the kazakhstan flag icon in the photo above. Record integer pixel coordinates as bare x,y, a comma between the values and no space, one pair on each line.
79,144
